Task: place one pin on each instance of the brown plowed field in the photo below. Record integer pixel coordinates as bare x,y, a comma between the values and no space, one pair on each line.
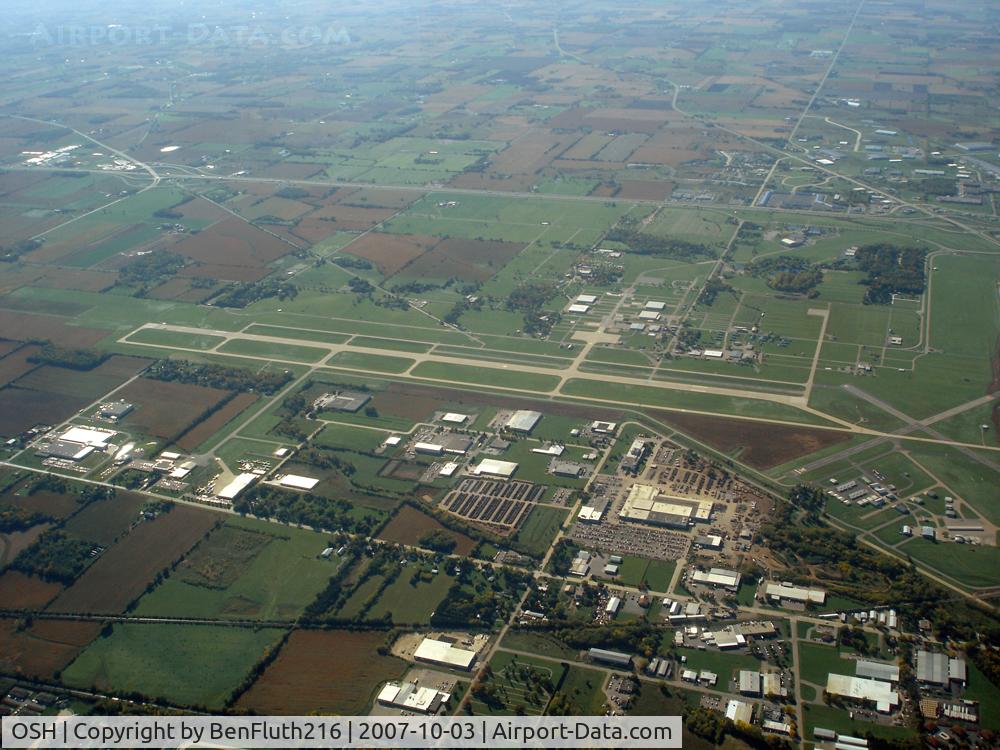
233,242
20,591
472,260
44,648
762,446
390,252
165,409
407,526
205,429
122,573
323,672
28,326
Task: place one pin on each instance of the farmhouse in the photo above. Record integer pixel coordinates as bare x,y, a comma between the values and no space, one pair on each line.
409,697
445,653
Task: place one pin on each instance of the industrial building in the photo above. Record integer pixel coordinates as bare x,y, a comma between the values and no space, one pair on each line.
296,482
739,712
613,605
610,657
718,578
408,696
233,489
636,453
586,299
603,428
646,504
523,421
935,668
786,591
864,690
590,514
348,401
455,418
578,309
444,653
493,468
876,670
92,436
114,410
750,682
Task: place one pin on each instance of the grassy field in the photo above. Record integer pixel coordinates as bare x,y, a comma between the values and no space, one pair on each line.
716,661
247,569
190,665
289,352
539,528
366,361
974,566
495,376
816,661
411,603
539,643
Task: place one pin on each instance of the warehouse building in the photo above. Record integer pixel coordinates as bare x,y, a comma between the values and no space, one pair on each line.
789,592
114,410
444,653
645,504
492,468
739,712
863,690
523,421
347,401
717,578
233,489
938,669
876,670
610,657
750,682
296,482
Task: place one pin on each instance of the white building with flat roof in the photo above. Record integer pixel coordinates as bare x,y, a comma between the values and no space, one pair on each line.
523,420
493,468
586,299
578,309
719,577
863,690
408,696
91,436
233,489
297,482
455,418
780,591
445,653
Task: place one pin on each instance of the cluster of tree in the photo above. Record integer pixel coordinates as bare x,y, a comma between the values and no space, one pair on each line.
713,288
241,295
529,299
714,727
55,556
688,338
349,261
641,243
477,603
13,518
632,637
172,212
787,273
804,539
305,508
10,253
562,557
438,540
292,193
324,458
71,359
267,382
151,269
891,270
361,287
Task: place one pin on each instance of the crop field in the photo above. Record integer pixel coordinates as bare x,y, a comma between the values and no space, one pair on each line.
44,648
231,243
167,409
189,665
103,521
323,671
21,591
245,569
205,429
122,573
409,525
762,446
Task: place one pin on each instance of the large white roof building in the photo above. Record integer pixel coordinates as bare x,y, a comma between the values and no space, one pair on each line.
444,653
